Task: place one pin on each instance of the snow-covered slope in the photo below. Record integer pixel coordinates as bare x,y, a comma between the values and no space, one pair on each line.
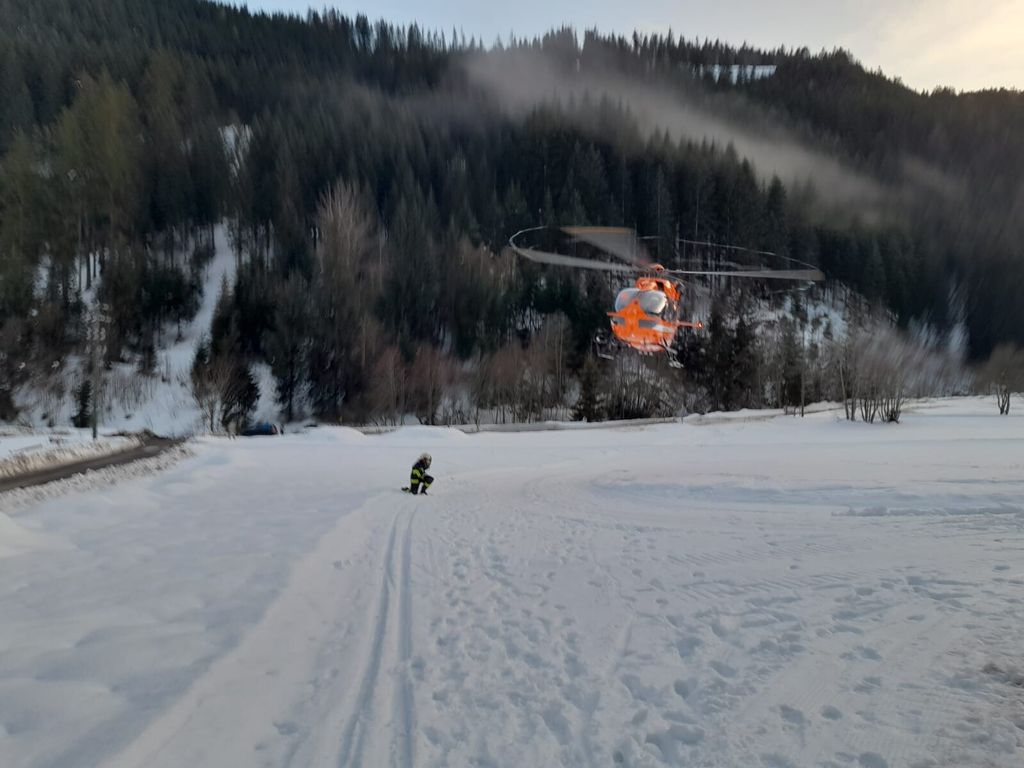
776,592
161,402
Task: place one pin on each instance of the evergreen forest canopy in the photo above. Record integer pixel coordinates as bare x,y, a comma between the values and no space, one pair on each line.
371,174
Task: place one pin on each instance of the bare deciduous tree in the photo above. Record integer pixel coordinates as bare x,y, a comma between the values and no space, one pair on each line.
389,387
430,379
636,390
223,389
1004,374
876,367
210,384
348,258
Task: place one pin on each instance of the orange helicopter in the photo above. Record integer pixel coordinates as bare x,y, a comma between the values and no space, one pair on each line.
649,315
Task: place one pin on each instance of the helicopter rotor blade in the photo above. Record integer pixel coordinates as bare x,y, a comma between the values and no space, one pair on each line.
558,259
620,242
701,244
623,244
800,275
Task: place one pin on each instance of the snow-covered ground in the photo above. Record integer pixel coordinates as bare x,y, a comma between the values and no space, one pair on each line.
772,592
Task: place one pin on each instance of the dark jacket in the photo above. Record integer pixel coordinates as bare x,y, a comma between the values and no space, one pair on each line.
419,469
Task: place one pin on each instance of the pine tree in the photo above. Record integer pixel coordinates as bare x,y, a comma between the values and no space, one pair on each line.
589,406
17,114
23,218
719,363
167,171
775,218
873,280
746,365
792,368
99,160
662,209
288,343
83,397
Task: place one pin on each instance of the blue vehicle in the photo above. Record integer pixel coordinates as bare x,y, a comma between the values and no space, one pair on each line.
264,428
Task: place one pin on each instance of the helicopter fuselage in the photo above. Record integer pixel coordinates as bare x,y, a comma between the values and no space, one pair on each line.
647,317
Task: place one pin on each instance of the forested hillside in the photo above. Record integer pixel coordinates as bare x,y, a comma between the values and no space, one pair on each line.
370,176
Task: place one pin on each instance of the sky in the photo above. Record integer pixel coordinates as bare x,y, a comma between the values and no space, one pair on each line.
963,44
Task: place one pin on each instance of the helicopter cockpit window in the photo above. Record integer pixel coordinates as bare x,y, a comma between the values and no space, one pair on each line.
625,296
653,302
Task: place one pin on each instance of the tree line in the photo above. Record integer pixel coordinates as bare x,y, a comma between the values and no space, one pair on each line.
369,193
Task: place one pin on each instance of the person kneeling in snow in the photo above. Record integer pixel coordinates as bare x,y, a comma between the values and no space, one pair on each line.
420,480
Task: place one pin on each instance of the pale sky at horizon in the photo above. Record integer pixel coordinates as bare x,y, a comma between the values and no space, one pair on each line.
958,43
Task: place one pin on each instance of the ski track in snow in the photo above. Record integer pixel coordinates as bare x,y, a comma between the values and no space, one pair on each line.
780,593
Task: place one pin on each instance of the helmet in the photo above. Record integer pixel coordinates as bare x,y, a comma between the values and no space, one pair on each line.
425,458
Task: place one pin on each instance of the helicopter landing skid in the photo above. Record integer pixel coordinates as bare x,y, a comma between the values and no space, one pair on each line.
604,347
673,356
608,348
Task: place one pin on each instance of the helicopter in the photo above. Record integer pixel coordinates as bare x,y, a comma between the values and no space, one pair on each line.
650,314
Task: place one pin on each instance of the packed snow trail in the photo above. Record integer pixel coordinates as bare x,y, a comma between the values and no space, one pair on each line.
774,593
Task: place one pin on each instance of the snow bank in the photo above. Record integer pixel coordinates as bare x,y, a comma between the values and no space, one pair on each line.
21,455
18,501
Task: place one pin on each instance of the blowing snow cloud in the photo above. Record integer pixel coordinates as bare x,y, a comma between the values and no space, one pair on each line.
522,80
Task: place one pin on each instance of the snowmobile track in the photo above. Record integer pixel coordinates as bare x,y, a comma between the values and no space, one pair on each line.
406,723
394,595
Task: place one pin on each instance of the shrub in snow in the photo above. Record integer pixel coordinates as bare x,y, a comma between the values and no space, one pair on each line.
877,367
223,389
1003,374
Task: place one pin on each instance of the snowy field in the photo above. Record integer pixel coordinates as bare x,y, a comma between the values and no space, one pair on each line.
775,592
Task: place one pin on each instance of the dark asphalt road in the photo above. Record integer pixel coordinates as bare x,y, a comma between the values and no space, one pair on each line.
151,446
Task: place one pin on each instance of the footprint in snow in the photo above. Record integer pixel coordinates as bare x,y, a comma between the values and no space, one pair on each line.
872,760
686,646
776,761
684,688
792,715
868,685
286,728
722,669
